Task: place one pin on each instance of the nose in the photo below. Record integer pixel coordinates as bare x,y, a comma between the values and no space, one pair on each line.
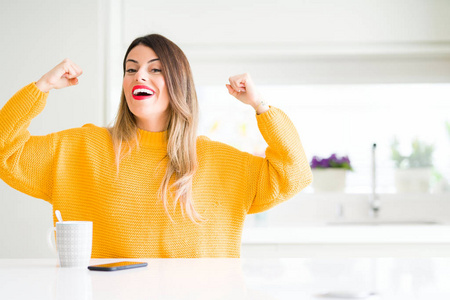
140,75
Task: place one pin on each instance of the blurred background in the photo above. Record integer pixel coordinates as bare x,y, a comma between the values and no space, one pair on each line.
348,73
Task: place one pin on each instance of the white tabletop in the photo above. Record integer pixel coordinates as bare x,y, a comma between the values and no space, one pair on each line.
296,278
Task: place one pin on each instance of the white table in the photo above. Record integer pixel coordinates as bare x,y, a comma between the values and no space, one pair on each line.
299,278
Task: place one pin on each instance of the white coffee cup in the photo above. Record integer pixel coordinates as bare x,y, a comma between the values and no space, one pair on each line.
74,243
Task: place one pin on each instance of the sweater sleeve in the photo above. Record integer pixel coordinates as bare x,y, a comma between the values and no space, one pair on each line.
285,170
25,160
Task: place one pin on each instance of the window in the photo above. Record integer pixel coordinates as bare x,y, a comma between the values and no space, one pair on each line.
343,119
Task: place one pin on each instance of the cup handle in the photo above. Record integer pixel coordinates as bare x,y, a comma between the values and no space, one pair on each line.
50,242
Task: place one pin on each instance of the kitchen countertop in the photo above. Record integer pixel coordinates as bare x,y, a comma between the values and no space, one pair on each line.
292,278
347,234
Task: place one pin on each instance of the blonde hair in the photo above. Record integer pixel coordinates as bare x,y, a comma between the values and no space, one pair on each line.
181,127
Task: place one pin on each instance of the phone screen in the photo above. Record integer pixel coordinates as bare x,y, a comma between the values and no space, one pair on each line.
122,265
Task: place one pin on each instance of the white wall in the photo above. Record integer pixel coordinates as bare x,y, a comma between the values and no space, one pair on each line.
304,41
36,36
298,41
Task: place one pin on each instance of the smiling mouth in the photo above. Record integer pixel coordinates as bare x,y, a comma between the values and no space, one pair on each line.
142,93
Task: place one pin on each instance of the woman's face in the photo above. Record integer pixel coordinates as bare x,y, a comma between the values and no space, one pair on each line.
144,85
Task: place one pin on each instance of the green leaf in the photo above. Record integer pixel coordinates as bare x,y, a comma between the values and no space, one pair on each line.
421,155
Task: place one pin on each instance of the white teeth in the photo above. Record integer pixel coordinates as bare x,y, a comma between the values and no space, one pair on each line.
137,91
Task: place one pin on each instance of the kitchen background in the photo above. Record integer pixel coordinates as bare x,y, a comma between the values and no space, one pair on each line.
349,74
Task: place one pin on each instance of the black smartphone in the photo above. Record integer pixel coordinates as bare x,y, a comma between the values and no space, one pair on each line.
122,265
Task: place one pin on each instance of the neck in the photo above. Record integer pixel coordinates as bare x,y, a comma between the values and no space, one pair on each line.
154,123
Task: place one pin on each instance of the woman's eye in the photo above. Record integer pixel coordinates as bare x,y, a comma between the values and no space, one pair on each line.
134,70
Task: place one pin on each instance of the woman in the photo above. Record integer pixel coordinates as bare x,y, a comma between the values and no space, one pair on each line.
149,184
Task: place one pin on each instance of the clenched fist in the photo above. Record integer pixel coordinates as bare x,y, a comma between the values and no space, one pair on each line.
242,88
63,75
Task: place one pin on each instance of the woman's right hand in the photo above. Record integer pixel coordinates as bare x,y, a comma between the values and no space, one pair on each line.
63,75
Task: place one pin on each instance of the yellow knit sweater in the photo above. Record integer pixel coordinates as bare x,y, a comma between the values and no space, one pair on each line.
74,170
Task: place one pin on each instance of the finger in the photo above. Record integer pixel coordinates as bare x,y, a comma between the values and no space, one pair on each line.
231,91
234,84
247,81
77,69
73,81
240,83
70,72
235,87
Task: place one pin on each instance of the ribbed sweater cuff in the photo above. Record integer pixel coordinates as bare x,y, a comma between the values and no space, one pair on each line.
29,96
267,115
36,93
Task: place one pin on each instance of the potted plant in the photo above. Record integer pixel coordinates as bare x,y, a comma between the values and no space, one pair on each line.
329,174
413,171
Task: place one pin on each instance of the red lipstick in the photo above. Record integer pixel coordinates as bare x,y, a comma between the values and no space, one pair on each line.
142,92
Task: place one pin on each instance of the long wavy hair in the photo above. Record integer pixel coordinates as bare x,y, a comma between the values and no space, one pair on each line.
181,127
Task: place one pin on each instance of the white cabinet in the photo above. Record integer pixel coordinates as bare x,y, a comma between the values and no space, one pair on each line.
344,250
347,241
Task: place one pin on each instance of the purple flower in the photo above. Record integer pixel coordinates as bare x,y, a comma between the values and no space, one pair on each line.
325,163
333,161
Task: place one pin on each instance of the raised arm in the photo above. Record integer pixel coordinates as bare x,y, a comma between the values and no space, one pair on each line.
25,160
285,170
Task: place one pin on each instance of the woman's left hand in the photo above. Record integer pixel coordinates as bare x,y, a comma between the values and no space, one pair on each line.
242,88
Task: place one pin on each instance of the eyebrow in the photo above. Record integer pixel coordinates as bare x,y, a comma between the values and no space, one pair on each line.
151,60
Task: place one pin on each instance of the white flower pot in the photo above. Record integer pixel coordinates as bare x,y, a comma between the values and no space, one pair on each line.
413,180
329,180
